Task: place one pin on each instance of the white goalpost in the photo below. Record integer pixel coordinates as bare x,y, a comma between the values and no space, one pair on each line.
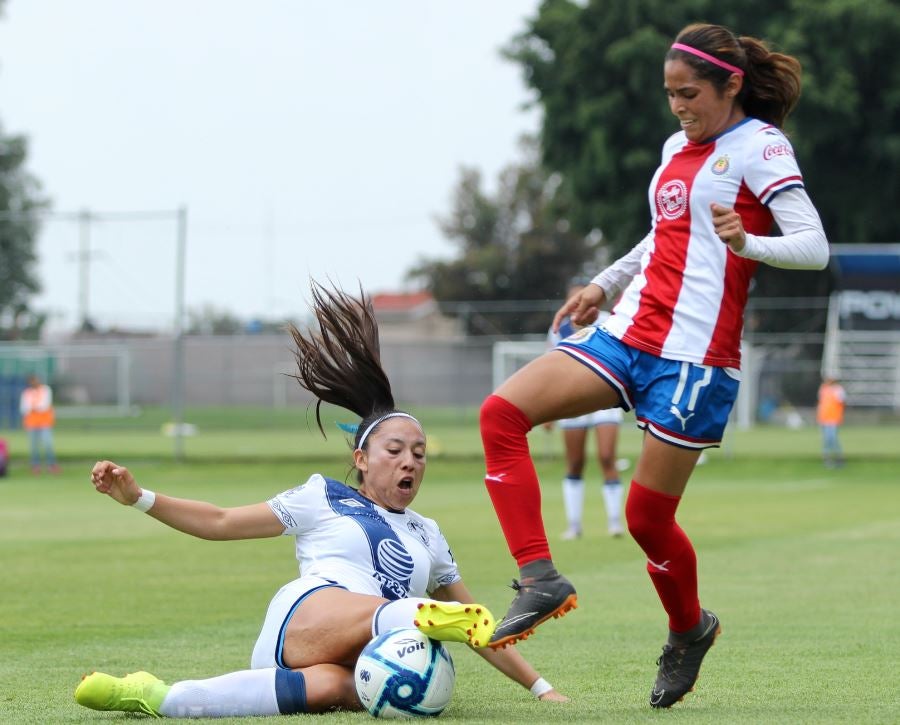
508,356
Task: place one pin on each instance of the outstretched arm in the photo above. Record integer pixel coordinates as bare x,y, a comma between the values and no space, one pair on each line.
197,518
508,660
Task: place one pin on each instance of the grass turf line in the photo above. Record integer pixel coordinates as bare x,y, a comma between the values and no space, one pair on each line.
800,563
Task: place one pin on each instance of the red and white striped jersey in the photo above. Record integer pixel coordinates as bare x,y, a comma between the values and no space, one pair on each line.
687,302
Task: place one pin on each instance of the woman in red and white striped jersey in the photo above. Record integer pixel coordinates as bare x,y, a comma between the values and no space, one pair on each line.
670,351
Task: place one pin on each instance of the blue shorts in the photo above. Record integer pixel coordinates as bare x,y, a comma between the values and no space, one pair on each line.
682,403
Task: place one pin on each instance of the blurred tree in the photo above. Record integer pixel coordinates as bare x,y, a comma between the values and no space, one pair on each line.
20,202
209,320
848,120
20,207
517,245
596,68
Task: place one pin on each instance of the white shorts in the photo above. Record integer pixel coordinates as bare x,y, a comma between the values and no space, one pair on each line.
267,652
610,416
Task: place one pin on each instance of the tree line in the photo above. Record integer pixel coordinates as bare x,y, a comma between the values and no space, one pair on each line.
595,70
575,199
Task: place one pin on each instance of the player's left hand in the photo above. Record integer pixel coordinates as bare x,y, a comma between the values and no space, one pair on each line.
115,481
582,307
553,696
728,225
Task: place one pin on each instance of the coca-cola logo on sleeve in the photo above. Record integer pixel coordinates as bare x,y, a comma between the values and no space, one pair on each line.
777,149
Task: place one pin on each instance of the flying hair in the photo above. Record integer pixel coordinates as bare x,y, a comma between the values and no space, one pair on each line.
341,362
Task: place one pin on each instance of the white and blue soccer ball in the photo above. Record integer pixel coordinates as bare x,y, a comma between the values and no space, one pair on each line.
404,673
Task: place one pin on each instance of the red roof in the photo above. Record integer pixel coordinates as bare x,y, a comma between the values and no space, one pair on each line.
399,301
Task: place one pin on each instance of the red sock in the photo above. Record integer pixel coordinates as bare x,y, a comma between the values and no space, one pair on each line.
511,479
671,561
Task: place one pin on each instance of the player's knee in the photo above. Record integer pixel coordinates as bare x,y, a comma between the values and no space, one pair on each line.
498,417
638,523
639,517
342,690
331,688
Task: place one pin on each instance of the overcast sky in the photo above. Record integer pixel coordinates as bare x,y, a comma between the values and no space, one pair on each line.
306,138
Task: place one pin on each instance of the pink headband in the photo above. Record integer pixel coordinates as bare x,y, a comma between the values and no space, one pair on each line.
707,56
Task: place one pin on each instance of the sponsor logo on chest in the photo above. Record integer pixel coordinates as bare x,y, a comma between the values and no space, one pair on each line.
672,199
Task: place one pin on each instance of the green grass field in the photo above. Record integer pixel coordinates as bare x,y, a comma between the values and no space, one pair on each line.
801,563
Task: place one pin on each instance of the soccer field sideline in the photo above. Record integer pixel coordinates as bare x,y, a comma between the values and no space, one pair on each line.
258,434
799,562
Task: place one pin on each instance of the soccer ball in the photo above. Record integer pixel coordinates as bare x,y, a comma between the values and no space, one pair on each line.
404,673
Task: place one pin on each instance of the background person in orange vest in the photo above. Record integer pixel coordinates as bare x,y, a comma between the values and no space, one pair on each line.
830,416
36,406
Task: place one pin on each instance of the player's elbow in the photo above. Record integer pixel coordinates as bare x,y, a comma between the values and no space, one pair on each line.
819,251
822,254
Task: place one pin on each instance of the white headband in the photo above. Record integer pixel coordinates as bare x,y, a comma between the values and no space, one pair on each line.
362,438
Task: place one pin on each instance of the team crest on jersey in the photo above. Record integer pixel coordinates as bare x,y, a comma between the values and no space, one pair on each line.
721,165
583,335
672,199
416,528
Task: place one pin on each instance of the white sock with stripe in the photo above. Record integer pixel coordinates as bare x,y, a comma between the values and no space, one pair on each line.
612,499
237,694
573,499
398,613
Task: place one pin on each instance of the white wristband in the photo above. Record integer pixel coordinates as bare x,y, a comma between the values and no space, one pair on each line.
147,499
540,687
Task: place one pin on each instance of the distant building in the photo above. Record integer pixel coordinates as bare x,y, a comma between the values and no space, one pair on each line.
413,316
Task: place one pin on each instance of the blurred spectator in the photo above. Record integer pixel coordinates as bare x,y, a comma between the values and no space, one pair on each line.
830,416
38,418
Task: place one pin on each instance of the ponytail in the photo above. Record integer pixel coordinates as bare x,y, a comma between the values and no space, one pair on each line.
772,82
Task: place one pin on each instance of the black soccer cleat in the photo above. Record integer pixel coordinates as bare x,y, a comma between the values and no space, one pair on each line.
679,663
537,600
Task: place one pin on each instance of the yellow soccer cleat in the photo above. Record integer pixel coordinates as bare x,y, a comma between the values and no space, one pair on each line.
455,622
137,692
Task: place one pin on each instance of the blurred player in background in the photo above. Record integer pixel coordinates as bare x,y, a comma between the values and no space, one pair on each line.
605,424
830,416
367,561
671,348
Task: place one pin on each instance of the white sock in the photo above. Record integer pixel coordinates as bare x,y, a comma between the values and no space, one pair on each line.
399,613
573,499
237,694
612,499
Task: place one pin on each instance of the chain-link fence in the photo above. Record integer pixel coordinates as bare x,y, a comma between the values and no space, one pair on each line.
784,348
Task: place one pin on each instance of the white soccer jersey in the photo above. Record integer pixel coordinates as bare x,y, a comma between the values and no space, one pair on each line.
344,537
687,302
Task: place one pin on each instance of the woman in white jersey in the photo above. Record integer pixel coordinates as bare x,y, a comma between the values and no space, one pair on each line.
671,348
367,561
605,424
